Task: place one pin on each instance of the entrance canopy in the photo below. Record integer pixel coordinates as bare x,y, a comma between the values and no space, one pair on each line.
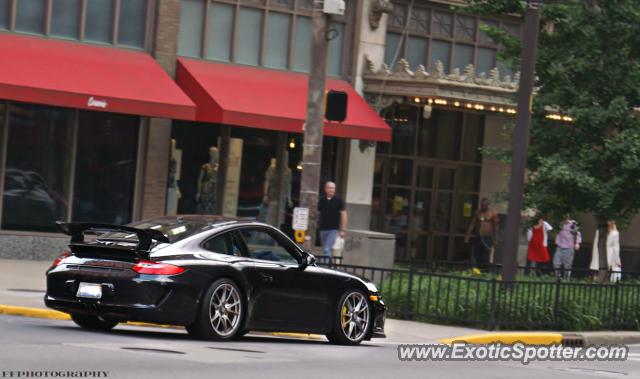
75,75
269,99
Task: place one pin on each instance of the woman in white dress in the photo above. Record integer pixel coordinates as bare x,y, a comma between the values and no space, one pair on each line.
613,252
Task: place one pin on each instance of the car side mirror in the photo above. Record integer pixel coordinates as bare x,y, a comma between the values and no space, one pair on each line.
307,260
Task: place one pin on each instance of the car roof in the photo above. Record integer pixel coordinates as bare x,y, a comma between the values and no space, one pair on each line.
197,219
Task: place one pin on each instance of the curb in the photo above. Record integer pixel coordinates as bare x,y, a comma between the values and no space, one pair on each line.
12,310
549,338
533,338
33,312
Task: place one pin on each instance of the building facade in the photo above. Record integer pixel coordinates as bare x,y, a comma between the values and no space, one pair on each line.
114,111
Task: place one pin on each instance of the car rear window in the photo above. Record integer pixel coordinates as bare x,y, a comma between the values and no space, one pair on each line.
175,230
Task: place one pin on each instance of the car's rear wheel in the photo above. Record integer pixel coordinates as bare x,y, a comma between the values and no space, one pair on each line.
93,322
221,314
352,319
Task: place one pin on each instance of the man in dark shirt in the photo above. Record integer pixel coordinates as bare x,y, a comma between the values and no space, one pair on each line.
333,218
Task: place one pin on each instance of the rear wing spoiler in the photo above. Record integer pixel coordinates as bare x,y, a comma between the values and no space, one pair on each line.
77,229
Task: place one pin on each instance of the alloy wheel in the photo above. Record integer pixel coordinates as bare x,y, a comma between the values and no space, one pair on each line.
225,309
355,316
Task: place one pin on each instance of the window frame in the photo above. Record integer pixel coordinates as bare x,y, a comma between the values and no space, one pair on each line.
283,241
453,39
266,7
383,187
148,28
227,240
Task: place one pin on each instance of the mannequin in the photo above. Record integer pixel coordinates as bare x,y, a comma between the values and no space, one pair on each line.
274,203
173,191
207,195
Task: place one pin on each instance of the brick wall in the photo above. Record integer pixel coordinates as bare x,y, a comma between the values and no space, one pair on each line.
158,138
165,40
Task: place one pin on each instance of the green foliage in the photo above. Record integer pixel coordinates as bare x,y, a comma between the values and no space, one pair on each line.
588,67
465,298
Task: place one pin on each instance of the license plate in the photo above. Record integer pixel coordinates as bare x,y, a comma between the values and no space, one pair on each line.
89,290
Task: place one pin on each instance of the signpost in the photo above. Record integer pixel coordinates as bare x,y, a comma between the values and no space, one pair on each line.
300,223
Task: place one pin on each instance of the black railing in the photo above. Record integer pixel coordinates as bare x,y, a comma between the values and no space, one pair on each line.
540,270
485,301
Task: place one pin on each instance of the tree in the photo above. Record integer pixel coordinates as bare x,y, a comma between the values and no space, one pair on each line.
588,68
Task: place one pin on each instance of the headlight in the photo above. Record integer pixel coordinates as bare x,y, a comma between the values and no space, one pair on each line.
371,287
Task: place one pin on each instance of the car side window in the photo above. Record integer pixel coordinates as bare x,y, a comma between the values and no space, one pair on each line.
261,244
219,244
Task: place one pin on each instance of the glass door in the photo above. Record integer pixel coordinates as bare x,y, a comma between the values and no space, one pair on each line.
431,216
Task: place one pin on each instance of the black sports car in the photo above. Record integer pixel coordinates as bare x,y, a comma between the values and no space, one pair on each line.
219,277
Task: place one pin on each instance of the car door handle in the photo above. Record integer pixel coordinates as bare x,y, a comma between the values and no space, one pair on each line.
266,278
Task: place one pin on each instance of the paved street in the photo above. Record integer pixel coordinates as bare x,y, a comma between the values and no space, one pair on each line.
136,352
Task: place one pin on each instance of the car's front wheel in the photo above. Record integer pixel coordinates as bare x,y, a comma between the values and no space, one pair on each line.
352,319
221,314
93,322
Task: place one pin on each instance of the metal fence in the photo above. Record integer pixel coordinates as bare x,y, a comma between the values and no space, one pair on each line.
540,302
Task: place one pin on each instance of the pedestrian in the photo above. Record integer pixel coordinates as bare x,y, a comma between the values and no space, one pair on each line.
537,235
614,265
568,241
333,218
484,228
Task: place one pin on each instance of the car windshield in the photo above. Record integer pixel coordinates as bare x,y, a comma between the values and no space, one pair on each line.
174,229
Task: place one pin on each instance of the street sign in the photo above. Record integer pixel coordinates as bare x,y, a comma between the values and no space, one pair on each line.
299,236
300,218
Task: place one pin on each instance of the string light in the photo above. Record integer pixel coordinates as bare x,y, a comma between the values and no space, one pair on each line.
292,144
474,106
558,117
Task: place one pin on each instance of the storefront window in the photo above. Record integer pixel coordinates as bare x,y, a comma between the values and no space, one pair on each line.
30,16
194,168
105,167
440,136
258,196
40,183
38,163
473,137
427,198
403,120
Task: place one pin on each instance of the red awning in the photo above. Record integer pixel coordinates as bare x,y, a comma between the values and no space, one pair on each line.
76,75
269,99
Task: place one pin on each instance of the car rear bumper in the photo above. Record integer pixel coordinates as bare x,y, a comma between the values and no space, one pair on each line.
126,296
161,313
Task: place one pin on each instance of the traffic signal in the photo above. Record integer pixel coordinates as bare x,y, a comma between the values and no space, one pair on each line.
336,106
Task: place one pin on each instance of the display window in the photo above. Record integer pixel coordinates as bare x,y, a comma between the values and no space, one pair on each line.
64,164
244,172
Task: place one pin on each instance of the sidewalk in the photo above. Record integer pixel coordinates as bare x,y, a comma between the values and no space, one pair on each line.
23,284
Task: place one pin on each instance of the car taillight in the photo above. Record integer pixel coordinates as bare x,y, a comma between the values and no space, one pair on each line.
65,254
155,268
